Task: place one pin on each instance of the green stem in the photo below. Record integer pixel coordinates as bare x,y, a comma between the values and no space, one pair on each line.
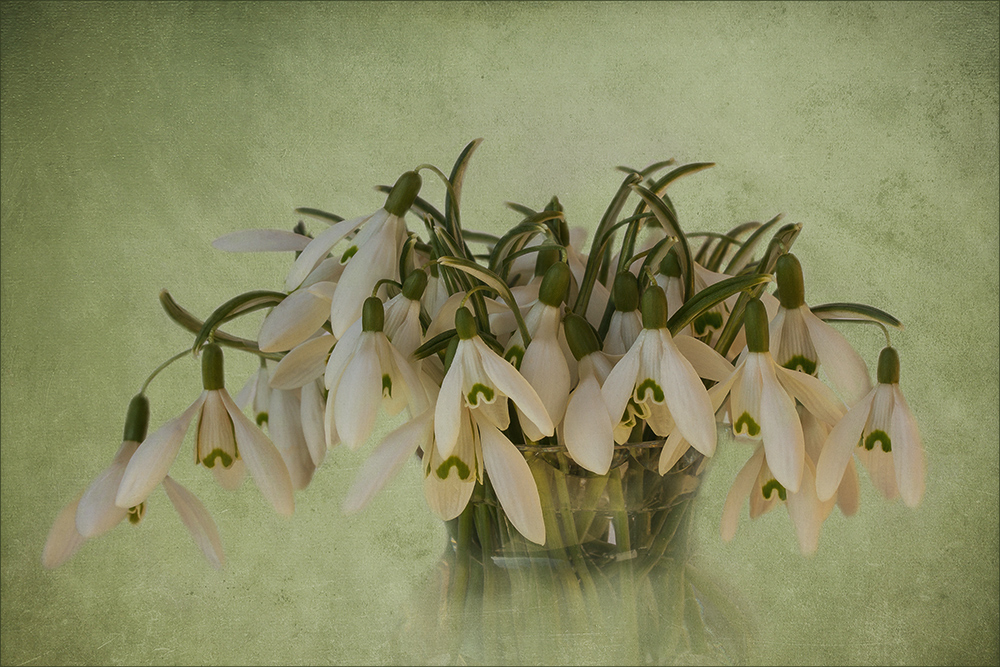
159,368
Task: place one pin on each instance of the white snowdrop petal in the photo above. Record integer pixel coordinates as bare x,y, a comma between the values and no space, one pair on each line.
775,328
359,395
839,447
232,477
587,430
849,491
781,431
817,398
513,483
511,383
262,460
620,382
321,289
312,409
303,364
63,540
545,369
805,512
262,240
285,427
842,363
744,483
745,396
907,451
673,450
317,249
97,512
687,398
197,520
376,259
708,363
386,461
292,321
151,461
448,409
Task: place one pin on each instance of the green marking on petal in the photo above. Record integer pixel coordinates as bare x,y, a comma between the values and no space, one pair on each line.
261,419
647,385
515,355
772,486
223,457
800,363
878,436
710,321
386,386
136,514
752,427
453,462
477,389
348,254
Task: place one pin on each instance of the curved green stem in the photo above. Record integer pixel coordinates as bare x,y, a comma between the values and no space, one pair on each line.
159,368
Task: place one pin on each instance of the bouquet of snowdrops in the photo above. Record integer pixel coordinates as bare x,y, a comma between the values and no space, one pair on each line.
562,398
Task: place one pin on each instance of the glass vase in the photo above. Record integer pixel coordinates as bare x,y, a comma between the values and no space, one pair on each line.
613,583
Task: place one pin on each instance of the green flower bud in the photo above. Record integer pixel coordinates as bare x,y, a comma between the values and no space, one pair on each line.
403,193
545,259
414,285
670,266
755,322
888,366
372,314
791,290
654,308
554,284
580,336
137,419
626,292
212,373
465,323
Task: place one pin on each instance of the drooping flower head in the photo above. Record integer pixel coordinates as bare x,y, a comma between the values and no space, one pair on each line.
883,433
626,321
588,429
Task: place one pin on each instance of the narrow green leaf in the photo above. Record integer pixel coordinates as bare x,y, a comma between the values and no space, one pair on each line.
743,255
495,283
648,171
672,228
436,344
526,211
328,218
238,305
855,312
509,259
711,296
480,237
184,318
518,236
684,170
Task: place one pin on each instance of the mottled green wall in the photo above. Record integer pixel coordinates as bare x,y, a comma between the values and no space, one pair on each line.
134,134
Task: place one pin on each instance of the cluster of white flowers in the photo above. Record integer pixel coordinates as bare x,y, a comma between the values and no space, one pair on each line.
672,348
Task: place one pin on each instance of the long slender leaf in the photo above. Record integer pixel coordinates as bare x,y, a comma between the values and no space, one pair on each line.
855,312
238,305
183,317
496,284
711,296
743,255
651,169
669,222
328,218
436,344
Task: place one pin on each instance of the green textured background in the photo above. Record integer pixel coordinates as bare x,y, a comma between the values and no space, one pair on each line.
134,134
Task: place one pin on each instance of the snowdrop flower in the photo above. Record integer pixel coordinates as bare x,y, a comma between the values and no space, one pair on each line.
762,401
365,371
543,363
881,429
661,381
303,363
373,253
588,428
402,314
481,380
626,322
802,341
225,438
297,317
669,277
94,512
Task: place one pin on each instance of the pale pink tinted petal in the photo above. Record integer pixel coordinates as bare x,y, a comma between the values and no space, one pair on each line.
511,383
448,409
262,460
293,321
814,395
588,432
359,394
840,444
232,477
514,484
708,363
262,240
312,421
805,511
318,248
197,520
285,425
150,463
849,491
673,449
63,540
97,512
744,483
781,431
907,451
304,363
386,461
882,472
846,368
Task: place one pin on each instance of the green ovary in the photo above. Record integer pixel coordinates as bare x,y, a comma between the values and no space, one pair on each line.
772,486
477,389
752,428
449,463
647,385
800,363
875,437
